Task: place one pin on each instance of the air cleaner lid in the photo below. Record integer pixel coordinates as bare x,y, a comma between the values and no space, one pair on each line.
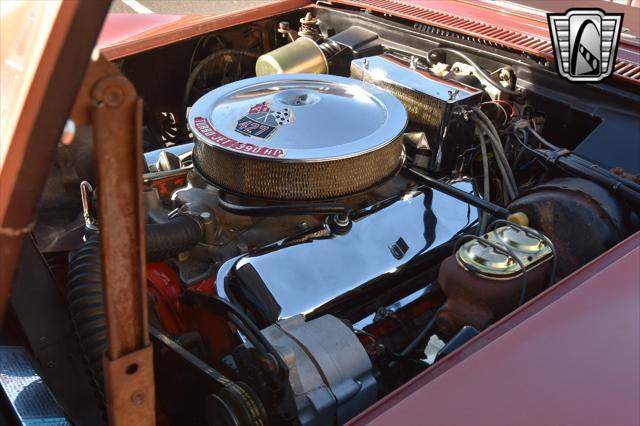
298,117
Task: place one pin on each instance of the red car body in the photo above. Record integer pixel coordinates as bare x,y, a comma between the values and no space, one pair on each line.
569,356
572,355
502,24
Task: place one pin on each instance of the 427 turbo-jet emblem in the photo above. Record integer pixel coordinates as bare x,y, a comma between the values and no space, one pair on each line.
585,43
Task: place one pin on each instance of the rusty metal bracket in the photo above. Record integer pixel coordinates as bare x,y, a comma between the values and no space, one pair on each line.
129,386
109,101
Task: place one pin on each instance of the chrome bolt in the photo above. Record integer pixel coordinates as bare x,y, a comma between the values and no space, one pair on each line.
413,62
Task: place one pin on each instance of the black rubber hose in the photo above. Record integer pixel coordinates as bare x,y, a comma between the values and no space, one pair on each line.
86,303
164,240
84,285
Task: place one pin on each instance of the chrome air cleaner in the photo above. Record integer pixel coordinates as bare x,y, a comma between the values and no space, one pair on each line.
297,136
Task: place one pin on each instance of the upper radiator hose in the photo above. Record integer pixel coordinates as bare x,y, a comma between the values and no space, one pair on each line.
84,284
164,240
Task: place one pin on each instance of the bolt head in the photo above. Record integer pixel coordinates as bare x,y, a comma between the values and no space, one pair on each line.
137,398
114,96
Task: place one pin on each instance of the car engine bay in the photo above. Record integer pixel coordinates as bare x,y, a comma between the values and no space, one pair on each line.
335,201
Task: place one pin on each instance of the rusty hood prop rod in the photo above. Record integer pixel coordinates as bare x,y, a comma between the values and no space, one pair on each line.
110,103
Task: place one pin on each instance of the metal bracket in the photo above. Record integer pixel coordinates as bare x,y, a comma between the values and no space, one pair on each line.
129,383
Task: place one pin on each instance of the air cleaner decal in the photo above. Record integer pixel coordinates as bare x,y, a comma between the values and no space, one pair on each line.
262,122
205,128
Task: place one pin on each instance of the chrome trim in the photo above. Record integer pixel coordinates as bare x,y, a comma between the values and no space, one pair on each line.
314,276
333,117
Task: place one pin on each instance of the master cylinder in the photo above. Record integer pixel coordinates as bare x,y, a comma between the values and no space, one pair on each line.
491,275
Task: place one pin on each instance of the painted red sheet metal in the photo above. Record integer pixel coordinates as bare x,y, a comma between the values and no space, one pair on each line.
504,27
128,34
120,27
570,356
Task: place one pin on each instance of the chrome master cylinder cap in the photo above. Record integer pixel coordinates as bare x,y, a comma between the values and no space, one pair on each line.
485,260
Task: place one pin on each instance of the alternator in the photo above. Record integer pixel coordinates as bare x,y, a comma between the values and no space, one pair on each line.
329,370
